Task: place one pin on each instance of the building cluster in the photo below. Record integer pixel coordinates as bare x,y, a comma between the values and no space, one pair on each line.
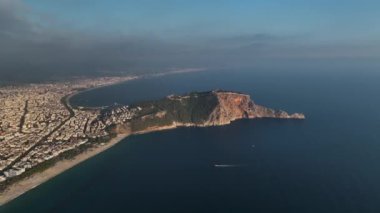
119,114
37,124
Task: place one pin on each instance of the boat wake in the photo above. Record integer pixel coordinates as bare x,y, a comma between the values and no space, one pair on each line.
228,165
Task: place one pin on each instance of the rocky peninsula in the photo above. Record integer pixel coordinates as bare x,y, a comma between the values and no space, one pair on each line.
200,109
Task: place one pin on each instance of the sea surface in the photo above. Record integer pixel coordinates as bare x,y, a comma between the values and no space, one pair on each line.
329,162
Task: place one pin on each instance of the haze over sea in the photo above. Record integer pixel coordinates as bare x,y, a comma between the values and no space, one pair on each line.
329,162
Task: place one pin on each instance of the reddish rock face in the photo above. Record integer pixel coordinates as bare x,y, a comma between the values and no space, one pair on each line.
233,106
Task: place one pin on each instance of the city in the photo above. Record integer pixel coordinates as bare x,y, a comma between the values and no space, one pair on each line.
37,123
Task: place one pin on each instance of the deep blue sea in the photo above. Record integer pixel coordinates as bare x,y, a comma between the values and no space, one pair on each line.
329,162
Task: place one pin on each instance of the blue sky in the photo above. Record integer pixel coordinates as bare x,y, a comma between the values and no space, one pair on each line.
326,20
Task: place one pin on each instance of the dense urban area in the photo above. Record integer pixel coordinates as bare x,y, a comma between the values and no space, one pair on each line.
37,123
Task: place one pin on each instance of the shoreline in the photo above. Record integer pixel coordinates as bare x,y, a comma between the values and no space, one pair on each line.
27,184
129,78
23,186
78,92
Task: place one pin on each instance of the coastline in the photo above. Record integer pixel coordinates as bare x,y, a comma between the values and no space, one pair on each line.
130,78
36,179
19,188
78,92
33,180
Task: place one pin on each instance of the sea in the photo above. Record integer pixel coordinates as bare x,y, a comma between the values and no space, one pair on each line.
329,162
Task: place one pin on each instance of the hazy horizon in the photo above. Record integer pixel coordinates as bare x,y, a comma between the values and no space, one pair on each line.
57,39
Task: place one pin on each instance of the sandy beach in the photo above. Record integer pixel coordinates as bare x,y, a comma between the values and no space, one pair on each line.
30,182
23,186
36,179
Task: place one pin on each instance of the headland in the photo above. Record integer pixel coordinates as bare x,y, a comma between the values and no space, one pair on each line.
79,134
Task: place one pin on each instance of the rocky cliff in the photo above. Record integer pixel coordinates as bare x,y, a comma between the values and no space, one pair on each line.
212,108
233,106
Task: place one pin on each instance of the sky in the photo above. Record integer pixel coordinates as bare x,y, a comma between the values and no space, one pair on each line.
85,37
323,19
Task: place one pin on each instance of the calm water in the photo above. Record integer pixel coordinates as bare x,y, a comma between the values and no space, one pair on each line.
327,163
